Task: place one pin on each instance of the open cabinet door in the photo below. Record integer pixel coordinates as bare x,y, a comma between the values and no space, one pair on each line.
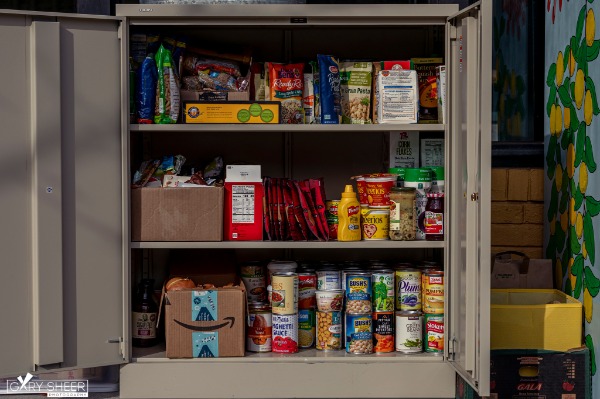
469,109
62,241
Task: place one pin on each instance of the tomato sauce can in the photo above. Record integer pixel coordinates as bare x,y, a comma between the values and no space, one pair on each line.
307,285
285,333
331,215
329,331
382,285
375,224
433,291
254,278
306,328
408,289
359,333
358,292
434,333
284,295
409,331
260,325
328,279
383,332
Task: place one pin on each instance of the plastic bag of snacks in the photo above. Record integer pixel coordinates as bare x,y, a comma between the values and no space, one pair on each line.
167,90
355,90
286,85
329,82
146,91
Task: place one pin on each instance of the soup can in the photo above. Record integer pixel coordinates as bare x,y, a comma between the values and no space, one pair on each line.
331,215
328,279
382,284
307,285
306,328
383,332
284,295
280,266
260,325
375,224
409,331
359,333
329,331
408,289
285,333
433,291
358,292
434,333
253,276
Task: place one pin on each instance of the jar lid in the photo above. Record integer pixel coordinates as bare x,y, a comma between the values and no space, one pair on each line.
417,175
435,195
437,172
403,189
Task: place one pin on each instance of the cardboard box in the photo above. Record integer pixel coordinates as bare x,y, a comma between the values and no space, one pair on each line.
404,150
508,272
535,319
464,390
177,214
244,194
540,374
232,112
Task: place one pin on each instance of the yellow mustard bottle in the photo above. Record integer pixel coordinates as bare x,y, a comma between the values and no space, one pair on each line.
349,216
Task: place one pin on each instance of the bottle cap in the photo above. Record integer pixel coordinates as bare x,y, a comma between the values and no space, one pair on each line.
348,191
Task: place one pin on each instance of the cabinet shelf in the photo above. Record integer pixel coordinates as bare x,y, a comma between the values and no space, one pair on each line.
289,244
416,127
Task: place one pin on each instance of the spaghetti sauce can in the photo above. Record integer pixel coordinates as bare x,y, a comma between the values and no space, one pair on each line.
260,326
383,332
284,294
359,333
433,291
408,289
285,333
434,333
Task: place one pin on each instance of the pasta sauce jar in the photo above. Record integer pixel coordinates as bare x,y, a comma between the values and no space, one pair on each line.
434,217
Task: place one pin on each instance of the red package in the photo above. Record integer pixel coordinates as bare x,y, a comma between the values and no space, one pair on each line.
266,216
318,193
298,211
304,195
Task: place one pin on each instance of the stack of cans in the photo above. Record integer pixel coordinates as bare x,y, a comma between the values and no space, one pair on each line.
307,285
330,300
359,319
382,285
284,305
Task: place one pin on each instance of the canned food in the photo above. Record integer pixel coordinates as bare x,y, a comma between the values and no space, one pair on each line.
253,276
409,331
433,291
306,328
359,333
382,283
408,289
260,327
330,300
383,332
329,331
285,333
284,295
331,215
345,271
328,279
434,333
280,266
307,285
358,292
375,224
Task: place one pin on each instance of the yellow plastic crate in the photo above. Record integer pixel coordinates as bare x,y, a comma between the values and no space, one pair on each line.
535,319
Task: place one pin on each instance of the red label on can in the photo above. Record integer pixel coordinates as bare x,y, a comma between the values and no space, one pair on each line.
307,285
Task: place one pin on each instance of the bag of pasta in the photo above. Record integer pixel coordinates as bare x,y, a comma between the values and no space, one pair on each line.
167,89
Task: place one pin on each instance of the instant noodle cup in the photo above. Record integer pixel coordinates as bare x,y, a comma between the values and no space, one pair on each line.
378,190
330,300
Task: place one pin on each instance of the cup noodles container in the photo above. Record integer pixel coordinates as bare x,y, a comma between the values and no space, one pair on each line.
330,300
361,188
378,190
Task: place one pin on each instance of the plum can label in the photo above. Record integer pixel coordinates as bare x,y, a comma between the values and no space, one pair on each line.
285,333
408,289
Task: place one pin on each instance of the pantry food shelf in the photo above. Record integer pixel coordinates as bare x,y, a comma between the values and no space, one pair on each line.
157,354
288,244
228,127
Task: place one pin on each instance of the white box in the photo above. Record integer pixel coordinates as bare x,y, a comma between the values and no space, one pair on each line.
243,173
404,150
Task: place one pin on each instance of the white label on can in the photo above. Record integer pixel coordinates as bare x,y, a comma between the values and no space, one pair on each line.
409,333
328,280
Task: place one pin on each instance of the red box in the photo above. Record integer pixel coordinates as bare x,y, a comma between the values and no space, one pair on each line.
243,216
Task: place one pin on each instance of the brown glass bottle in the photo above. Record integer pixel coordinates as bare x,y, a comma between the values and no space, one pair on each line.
144,314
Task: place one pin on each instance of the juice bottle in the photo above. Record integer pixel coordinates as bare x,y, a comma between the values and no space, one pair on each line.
349,216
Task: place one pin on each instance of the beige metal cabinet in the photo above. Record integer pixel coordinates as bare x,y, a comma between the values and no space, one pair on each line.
72,267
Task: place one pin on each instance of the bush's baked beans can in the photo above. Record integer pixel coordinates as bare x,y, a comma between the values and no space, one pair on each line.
433,291
409,331
284,294
285,333
329,331
331,215
383,332
260,326
306,328
408,289
359,333
382,286
307,285
434,333
346,271
358,292
254,278
328,279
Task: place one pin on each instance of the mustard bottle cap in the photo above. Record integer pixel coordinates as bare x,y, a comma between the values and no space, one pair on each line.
348,191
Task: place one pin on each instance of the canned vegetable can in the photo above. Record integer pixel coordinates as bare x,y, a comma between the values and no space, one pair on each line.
328,279
359,333
306,328
433,291
383,332
329,331
434,333
409,331
382,284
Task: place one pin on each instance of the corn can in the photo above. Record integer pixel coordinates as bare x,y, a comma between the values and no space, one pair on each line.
408,289
375,223
329,331
434,333
306,328
285,333
284,294
382,284
359,333
260,326
358,292
383,332
409,331
433,291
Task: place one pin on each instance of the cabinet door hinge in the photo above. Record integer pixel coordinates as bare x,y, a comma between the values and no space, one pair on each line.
451,349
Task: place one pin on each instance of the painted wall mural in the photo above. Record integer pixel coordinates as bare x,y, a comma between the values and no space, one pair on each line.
572,148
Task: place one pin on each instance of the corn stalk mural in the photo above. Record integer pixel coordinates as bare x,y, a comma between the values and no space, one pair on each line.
572,131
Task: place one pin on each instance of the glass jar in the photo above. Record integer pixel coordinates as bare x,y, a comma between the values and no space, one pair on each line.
434,217
144,315
403,217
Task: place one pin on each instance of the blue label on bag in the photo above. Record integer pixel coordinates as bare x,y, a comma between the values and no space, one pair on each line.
205,344
204,306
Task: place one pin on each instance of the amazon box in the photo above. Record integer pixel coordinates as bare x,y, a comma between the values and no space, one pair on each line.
205,323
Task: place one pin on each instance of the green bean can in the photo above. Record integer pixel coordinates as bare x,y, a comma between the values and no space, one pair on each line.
409,331
382,284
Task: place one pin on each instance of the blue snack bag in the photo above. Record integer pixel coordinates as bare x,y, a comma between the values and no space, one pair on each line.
146,90
329,93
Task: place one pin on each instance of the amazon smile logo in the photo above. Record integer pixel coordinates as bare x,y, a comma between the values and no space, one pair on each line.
228,321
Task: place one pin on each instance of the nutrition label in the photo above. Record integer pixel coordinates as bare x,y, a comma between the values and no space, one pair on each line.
242,203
